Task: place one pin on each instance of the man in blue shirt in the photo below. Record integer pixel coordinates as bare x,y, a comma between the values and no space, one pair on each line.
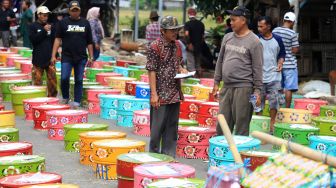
274,57
291,42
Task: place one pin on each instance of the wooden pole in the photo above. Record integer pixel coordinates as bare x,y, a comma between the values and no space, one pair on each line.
296,148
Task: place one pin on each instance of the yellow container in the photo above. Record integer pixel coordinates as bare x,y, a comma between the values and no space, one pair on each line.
105,171
201,92
7,119
118,82
107,151
294,116
4,55
55,185
85,157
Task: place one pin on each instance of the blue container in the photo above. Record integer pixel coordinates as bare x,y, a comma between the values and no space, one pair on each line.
219,162
106,58
142,92
111,101
325,144
125,118
219,148
122,70
132,104
108,113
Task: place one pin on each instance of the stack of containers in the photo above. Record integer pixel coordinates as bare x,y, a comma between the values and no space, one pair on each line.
189,109
21,164
312,105
9,135
220,153
141,122
105,153
207,114
101,77
126,107
30,103
93,98
40,115
127,162
147,173
15,148
142,92
72,131
56,120
109,104
87,138
119,82
130,87
7,85
7,118
30,179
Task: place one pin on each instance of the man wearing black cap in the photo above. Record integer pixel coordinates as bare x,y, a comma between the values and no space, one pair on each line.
239,66
153,29
75,35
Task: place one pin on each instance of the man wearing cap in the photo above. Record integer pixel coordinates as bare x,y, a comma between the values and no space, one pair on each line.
153,29
194,34
75,35
42,35
291,42
239,66
164,61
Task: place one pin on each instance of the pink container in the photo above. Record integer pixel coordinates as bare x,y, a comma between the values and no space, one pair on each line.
312,105
93,94
12,58
209,82
100,77
141,117
56,120
28,104
195,135
26,67
189,97
3,49
93,107
40,116
147,173
192,152
144,78
19,76
190,105
142,130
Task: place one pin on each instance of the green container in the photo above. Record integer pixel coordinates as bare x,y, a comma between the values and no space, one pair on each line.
260,123
9,135
92,72
187,123
71,146
27,53
72,131
21,164
327,125
137,158
192,81
136,73
7,85
19,96
178,183
187,89
298,133
266,110
328,111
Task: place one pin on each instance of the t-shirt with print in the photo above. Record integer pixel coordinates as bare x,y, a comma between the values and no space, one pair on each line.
290,40
273,50
165,58
4,24
76,36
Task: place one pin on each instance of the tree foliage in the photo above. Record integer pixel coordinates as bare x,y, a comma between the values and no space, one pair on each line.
215,7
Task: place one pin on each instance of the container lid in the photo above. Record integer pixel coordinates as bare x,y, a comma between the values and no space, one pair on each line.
215,104
10,146
239,141
298,127
145,157
30,179
52,186
2,112
13,75
31,91
41,100
51,107
103,134
142,112
329,139
177,183
255,117
8,130
89,87
85,126
20,159
196,129
290,110
116,96
67,112
164,170
325,119
118,143
187,122
260,153
329,107
317,101
7,68
15,81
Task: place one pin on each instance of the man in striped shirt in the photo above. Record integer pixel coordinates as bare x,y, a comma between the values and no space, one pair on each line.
153,29
291,42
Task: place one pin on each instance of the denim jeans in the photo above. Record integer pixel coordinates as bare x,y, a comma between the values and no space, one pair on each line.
65,78
95,53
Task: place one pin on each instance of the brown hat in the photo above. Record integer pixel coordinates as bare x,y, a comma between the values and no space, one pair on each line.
153,14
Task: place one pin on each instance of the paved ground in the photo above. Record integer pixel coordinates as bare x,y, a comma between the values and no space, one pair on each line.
67,164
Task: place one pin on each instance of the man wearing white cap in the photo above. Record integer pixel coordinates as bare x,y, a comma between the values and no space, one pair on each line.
41,35
291,42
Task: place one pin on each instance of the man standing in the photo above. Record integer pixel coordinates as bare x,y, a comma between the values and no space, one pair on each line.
6,17
26,20
194,34
239,66
75,35
164,61
274,56
153,29
291,42
42,37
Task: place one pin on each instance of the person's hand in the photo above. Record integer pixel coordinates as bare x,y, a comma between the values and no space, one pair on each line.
97,46
53,60
258,101
190,47
183,71
215,91
47,27
89,62
154,101
279,67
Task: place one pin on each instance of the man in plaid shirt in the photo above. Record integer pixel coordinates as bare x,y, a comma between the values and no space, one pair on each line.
153,29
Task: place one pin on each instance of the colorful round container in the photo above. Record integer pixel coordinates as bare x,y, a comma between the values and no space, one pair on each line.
26,67
18,76
106,58
19,95
17,49
201,92
119,82
187,89
147,173
93,94
327,125
136,73
190,105
21,164
253,159
312,105
108,113
209,82
130,87
144,78
18,62
328,111
325,144
7,85
22,180
125,118
112,101
260,123
11,60
298,133
188,115
40,112
206,121
132,104
15,148
141,122
101,77
9,135
209,109
7,118
178,183
289,115
142,91
125,63
192,81
56,185
123,70
92,72
28,104
187,123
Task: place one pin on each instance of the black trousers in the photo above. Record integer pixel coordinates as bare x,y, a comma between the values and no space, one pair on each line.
164,127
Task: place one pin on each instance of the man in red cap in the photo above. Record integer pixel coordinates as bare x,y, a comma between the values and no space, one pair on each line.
194,33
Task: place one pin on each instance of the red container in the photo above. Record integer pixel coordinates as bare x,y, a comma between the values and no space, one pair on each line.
26,67
142,130
93,94
12,58
190,105
100,77
124,63
189,97
125,182
15,148
28,179
312,105
40,125
212,98
93,107
195,135
19,76
209,109
192,152
209,82
206,121
40,111
2,107
28,104
144,78
257,158
130,87
186,115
